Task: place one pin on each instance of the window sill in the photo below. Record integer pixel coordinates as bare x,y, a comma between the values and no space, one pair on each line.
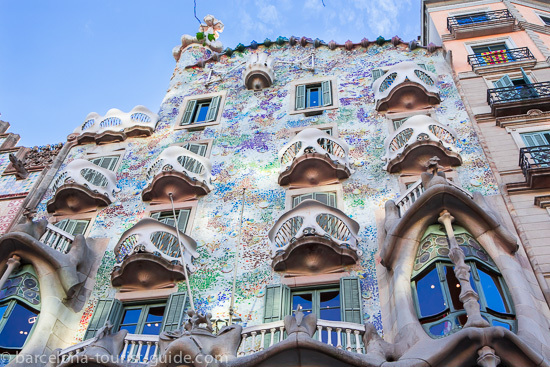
505,66
313,111
197,126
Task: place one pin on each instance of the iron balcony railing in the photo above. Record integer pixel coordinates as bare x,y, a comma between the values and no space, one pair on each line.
500,57
490,16
518,93
534,157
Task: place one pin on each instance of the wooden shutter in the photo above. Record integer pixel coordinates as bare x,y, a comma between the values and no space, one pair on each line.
173,316
213,109
525,77
350,290
300,97
188,114
277,302
327,93
79,227
377,73
107,309
536,139
505,81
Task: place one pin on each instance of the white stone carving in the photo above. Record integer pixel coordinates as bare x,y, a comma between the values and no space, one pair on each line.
398,74
79,172
150,235
258,73
417,129
116,120
312,217
176,158
312,140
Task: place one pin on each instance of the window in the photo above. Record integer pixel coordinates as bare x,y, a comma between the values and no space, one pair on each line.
313,96
545,19
198,111
143,319
399,122
437,289
95,177
490,48
492,54
536,139
164,241
327,198
337,302
472,18
377,73
19,308
191,164
167,217
71,226
516,89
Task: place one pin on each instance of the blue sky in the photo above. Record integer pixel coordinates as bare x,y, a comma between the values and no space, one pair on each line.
60,60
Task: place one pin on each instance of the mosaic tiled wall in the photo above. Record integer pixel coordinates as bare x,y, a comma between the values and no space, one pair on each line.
254,127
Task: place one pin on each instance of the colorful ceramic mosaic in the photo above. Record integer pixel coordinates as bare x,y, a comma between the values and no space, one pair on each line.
254,127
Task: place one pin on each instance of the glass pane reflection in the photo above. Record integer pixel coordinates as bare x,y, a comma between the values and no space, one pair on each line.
17,328
430,296
492,292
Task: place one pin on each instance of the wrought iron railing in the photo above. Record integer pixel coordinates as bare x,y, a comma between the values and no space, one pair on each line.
534,157
454,23
500,57
518,93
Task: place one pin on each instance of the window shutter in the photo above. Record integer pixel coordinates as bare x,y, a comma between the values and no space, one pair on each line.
109,163
534,139
350,289
505,81
62,224
173,317
327,93
155,215
106,309
300,97
377,73
183,218
525,77
188,114
79,227
422,66
213,109
199,149
277,302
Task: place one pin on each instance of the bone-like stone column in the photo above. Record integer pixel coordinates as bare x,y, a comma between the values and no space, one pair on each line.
462,271
13,264
487,357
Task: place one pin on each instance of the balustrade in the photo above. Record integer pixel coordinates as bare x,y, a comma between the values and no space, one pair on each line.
57,238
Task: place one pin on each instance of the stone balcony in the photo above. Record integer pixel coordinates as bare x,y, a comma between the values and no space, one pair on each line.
115,126
405,87
149,255
535,165
314,158
179,172
82,186
416,141
481,24
520,99
313,238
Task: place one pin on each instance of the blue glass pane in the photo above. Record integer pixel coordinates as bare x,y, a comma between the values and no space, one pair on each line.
202,112
492,292
330,299
430,296
304,300
131,316
131,328
18,327
330,314
3,310
504,325
441,329
153,321
313,97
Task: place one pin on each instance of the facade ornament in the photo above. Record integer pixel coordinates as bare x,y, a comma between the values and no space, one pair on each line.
434,174
20,170
40,157
208,34
468,296
378,347
258,73
300,323
487,357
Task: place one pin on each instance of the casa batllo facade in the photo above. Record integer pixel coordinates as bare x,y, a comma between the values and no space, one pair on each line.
294,203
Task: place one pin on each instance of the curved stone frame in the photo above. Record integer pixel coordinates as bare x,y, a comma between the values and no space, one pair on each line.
405,80
428,138
399,250
139,122
167,175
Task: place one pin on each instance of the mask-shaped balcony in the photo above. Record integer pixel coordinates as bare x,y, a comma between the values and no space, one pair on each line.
416,141
81,187
405,87
179,172
314,158
116,126
148,256
314,238
258,73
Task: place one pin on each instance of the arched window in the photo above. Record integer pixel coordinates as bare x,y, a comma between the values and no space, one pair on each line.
436,288
19,309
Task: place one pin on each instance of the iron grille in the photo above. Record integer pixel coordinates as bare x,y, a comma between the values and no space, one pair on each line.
466,20
518,93
500,57
534,157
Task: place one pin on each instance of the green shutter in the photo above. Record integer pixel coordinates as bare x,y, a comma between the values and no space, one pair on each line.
106,309
173,316
536,139
327,93
300,97
525,77
377,73
277,302
188,114
183,218
213,109
350,289
79,227
505,81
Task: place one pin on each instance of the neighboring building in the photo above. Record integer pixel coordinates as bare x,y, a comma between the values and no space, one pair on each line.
291,201
500,54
